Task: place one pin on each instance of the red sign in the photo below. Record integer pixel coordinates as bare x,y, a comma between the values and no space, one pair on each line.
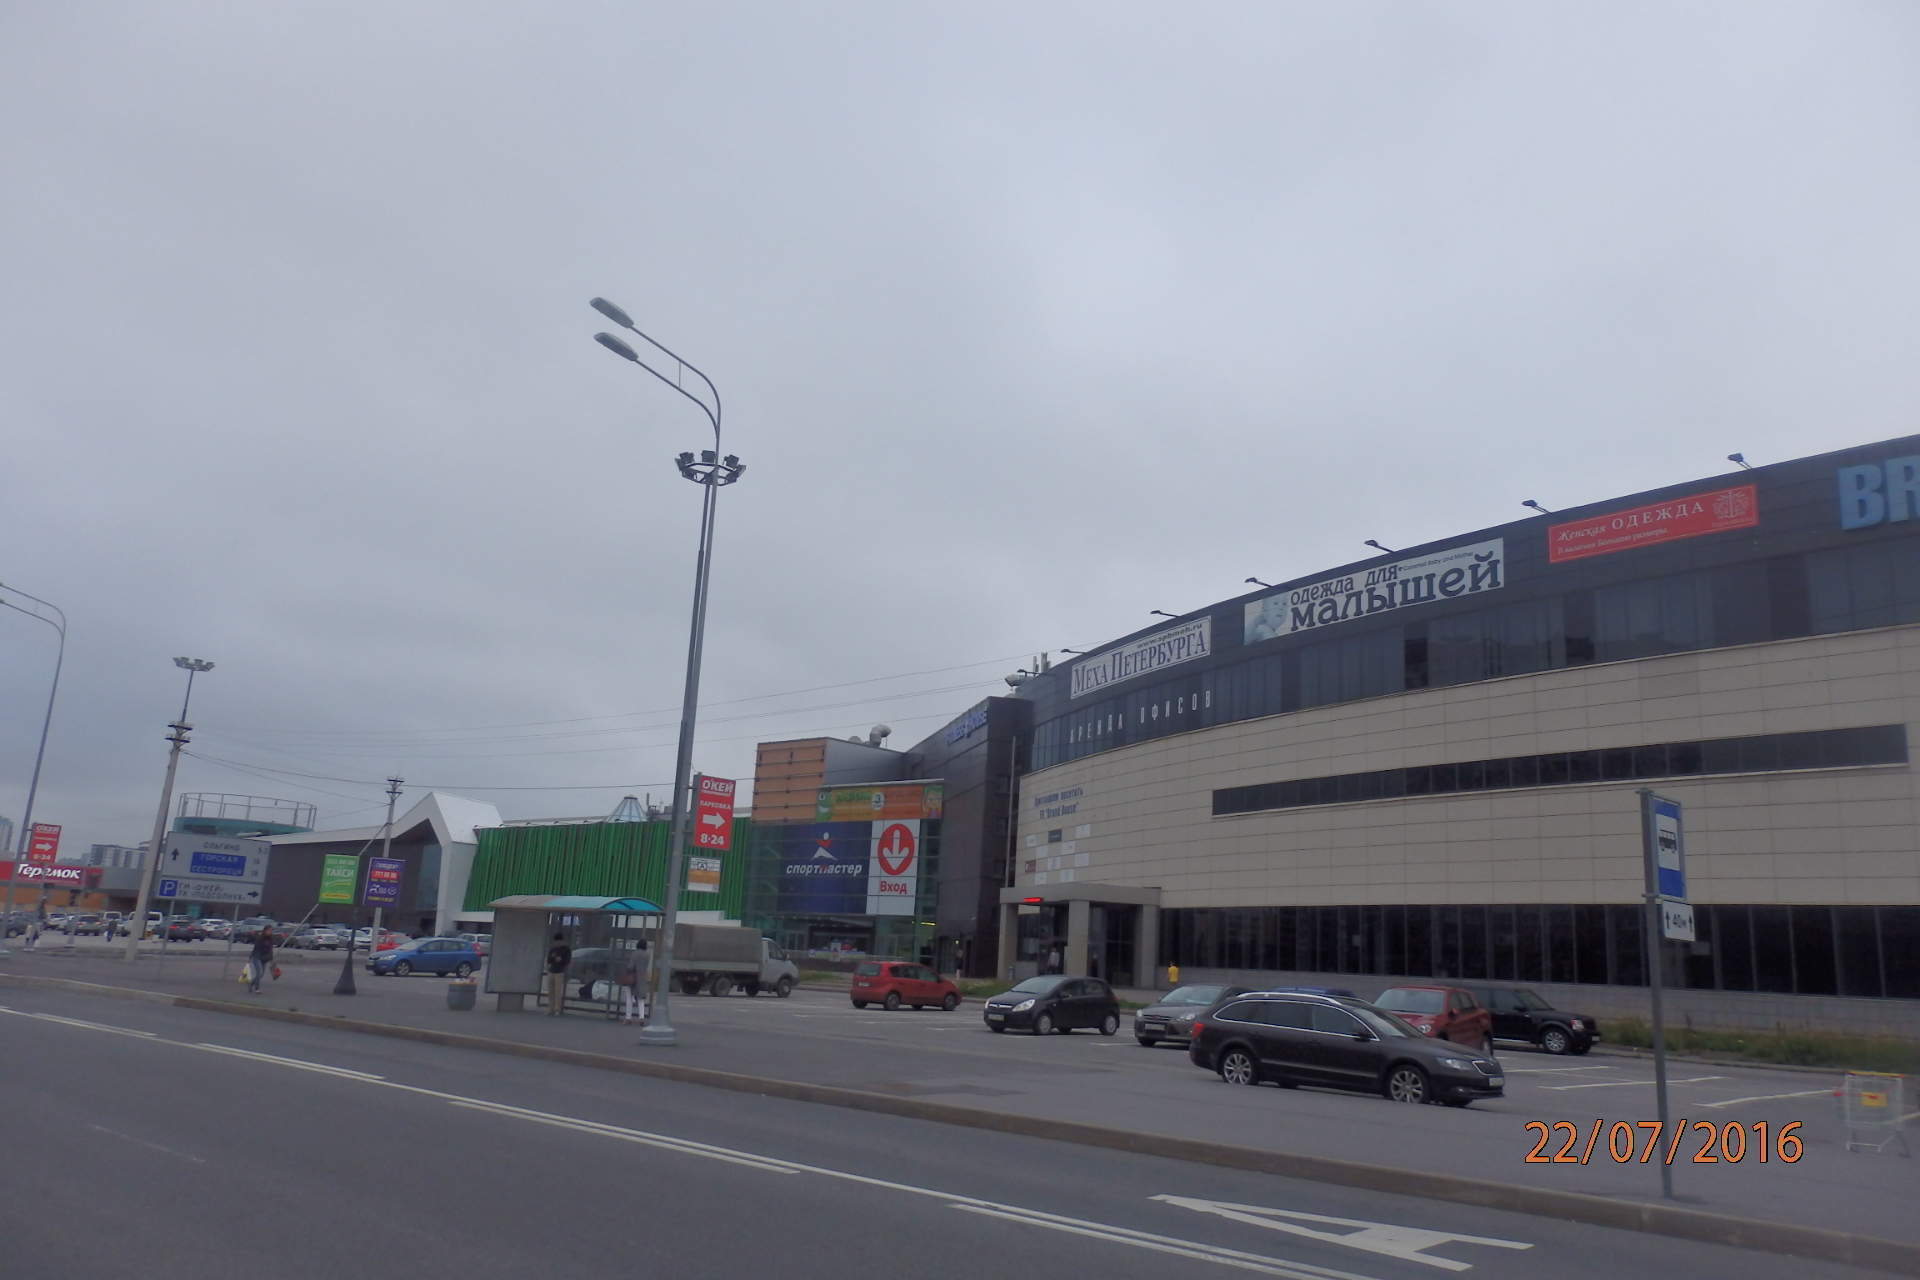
1687,517
44,844
895,850
713,813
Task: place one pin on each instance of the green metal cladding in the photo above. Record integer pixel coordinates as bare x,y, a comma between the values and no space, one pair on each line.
614,859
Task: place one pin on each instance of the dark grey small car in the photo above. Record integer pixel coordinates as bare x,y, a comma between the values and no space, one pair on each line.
1051,1003
1169,1019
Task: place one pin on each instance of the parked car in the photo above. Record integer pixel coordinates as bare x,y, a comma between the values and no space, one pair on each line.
388,939
1168,1019
1051,1003
1520,1014
89,923
1340,1042
426,955
115,922
315,937
892,983
1445,1013
249,929
184,929
215,927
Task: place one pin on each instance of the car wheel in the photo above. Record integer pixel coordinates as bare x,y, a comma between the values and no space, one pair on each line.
1148,1042
1456,1103
892,1003
996,1028
1580,1049
783,988
402,969
859,1004
951,1003
689,986
751,988
1043,1025
462,970
1110,1025
1556,1041
1407,1083
722,984
1238,1067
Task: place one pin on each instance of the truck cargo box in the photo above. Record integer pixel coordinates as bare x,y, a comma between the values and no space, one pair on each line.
723,944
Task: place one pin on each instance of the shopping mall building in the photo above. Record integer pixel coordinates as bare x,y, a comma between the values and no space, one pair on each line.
1426,764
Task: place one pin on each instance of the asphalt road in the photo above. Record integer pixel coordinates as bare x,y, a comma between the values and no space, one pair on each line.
173,1143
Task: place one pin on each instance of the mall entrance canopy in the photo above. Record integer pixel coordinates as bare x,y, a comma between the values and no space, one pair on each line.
608,935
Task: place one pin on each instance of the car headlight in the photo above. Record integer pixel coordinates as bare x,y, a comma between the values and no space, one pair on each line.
1185,1017
1023,1006
1457,1064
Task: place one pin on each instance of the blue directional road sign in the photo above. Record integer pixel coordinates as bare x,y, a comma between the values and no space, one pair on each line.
215,859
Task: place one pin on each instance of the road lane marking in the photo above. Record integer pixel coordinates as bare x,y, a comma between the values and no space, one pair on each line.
1766,1097
1616,1084
1551,1071
77,1022
298,1063
1120,1235
142,1142
1374,1237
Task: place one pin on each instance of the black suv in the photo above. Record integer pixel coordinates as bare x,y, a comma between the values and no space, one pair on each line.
1337,1041
1520,1014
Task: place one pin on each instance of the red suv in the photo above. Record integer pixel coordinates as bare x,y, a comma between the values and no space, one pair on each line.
892,983
1445,1013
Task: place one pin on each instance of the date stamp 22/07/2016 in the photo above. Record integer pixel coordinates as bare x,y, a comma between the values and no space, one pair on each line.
1642,1141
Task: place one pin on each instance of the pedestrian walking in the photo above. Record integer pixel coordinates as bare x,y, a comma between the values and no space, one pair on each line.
559,956
259,959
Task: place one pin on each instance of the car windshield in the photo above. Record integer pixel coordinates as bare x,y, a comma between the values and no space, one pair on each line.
1379,1021
1037,986
1413,1000
1201,995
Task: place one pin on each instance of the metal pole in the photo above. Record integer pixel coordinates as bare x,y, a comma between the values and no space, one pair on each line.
659,1027
1656,958
33,787
179,739
345,987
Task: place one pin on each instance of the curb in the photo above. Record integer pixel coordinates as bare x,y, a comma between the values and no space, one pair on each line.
1686,1224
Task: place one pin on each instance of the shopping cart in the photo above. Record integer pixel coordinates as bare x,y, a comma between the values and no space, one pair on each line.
1872,1110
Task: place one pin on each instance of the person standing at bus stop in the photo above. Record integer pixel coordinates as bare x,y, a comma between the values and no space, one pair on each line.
559,956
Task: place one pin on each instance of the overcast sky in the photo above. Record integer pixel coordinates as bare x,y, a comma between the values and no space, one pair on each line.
1029,319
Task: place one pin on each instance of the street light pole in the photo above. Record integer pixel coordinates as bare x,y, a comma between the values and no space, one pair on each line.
180,727
711,471
33,787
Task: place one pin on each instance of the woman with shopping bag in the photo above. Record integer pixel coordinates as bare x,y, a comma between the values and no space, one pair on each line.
260,959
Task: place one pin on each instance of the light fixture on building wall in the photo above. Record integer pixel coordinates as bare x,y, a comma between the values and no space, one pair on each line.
1377,547
1162,613
1256,582
1740,458
1529,502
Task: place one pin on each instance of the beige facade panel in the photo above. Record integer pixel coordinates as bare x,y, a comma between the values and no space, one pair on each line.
1845,836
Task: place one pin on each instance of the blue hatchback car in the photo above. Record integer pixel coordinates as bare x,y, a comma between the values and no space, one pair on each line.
426,955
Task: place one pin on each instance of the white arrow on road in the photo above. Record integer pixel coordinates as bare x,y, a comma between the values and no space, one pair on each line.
1374,1237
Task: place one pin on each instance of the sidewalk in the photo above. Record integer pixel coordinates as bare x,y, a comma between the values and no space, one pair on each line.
816,1039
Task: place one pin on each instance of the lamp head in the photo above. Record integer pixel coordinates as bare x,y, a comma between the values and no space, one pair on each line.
1529,502
193,664
612,312
616,346
1740,458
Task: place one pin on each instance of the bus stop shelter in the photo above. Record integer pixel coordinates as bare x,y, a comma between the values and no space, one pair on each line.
608,936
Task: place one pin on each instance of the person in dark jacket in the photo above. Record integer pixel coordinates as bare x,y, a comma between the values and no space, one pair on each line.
559,957
260,959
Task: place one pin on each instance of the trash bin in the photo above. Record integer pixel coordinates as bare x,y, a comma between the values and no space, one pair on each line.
460,995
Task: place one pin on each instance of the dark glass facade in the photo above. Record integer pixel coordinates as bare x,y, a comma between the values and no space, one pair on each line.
1796,573
1760,753
1800,950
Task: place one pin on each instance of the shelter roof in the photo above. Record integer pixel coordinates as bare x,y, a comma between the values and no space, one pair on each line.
574,902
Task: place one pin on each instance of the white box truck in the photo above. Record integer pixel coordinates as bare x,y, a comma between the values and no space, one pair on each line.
716,958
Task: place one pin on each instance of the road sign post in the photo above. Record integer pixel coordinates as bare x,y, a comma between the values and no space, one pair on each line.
1663,856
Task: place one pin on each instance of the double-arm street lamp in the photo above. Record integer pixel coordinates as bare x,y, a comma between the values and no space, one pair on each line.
46,723
711,471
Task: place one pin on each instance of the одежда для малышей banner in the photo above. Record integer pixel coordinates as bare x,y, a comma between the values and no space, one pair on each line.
1441,575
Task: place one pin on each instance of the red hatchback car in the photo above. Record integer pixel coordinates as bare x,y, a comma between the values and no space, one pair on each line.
892,983
1445,1013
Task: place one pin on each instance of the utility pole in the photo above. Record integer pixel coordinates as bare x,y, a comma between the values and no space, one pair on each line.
386,851
179,739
